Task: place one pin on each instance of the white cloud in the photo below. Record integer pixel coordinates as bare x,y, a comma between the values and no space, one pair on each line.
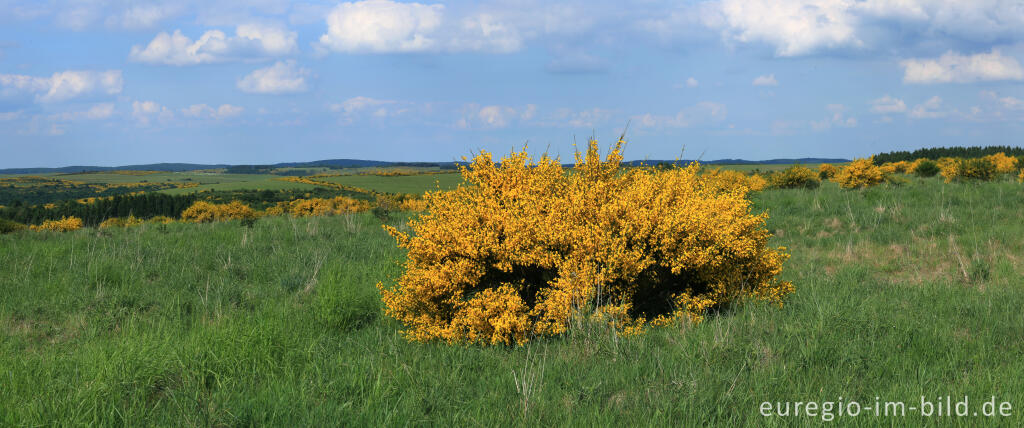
494,116
361,106
389,26
837,117
1011,103
63,86
485,32
581,119
146,111
803,27
139,16
768,80
930,109
888,104
10,115
281,78
792,27
952,67
249,41
96,112
382,26
700,114
203,111
692,83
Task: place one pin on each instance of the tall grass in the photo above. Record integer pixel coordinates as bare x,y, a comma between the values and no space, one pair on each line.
901,292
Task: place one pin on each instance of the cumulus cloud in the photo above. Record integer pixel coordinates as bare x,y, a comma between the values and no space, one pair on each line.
382,26
952,67
284,77
385,26
249,41
146,111
768,80
702,113
63,86
792,27
802,27
930,109
888,104
203,111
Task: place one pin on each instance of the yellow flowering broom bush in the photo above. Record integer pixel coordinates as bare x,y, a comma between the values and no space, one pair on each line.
204,212
794,177
969,169
316,207
1004,164
826,171
859,174
65,224
727,179
524,246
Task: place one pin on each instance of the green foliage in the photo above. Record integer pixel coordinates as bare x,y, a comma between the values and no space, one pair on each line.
926,168
7,226
142,206
934,153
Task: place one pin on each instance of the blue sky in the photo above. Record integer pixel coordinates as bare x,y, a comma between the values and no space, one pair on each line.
254,81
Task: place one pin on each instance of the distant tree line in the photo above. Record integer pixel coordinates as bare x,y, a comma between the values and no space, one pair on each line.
149,205
143,206
44,194
249,169
935,153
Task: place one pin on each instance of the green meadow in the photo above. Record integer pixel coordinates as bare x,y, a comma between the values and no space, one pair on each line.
902,292
409,184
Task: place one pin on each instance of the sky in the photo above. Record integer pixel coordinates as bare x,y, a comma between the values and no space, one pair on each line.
116,82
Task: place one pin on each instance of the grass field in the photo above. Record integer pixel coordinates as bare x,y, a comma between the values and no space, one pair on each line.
901,292
411,184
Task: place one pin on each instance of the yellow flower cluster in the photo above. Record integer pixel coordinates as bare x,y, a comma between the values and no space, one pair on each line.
727,179
412,204
948,168
318,207
976,169
859,174
1004,164
65,224
901,167
826,171
1020,177
203,212
120,222
521,248
794,177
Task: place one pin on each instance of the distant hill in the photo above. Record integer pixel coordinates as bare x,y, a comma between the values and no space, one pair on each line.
359,163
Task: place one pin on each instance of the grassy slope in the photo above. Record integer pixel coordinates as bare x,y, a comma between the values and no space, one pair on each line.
901,292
